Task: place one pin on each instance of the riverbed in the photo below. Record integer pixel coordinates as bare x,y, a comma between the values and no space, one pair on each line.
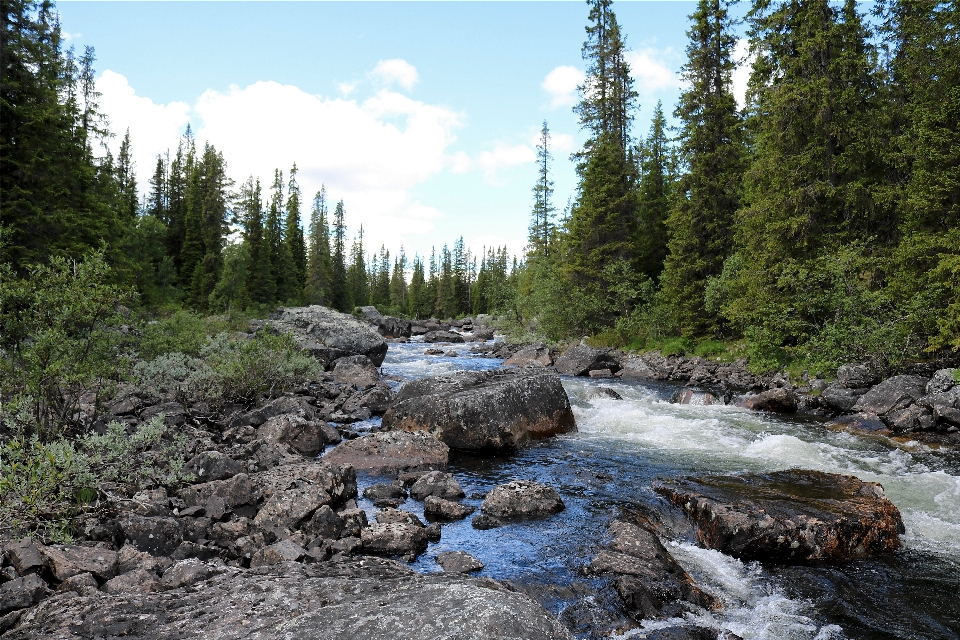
604,471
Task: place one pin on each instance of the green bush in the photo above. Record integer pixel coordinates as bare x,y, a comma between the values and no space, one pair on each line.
676,347
710,349
183,332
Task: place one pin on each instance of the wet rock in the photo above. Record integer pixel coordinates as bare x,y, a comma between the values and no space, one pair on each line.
441,509
650,582
436,483
136,581
534,355
304,436
892,394
328,334
442,336
521,499
840,398
860,424
458,562
277,553
693,397
212,465
393,539
483,410
855,376
66,561
356,370
773,400
580,360
380,491
433,352
157,536
185,574
912,418
601,373
484,522
602,393
391,452
794,516
20,593
25,556
481,334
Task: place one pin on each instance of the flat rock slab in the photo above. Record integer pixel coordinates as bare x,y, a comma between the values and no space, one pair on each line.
329,335
391,452
458,562
521,499
484,410
357,598
795,516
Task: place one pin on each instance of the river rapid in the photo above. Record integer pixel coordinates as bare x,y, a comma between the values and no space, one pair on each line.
605,469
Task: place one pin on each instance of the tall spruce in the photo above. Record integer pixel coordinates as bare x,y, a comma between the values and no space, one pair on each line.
541,230
700,222
210,202
128,200
293,238
339,292
319,280
358,284
653,197
261,283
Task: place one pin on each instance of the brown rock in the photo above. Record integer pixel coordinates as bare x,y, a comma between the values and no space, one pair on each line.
391,452
458,562
436,483
355,370
440,509
20,593
136,581
66,561
521,499
25,556
277,553
773,400
535,355
393,539
304,436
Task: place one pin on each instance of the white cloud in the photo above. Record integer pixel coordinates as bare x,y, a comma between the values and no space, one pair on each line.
396,71
651,72
66,35
561,84
346,88
504,157
559,142
154,128
371,154
460,162
741,75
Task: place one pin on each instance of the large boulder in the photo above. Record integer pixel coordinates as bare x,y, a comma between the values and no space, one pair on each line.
390,327
521,499
581,359
306,437
442,336
772,400
393,539
436,483
794,516
855,376
484,410
356,370
328,334
841,398
892,394
293,493
366,597
391,452
534,355
66,561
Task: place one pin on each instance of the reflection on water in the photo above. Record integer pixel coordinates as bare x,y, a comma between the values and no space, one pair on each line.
606,468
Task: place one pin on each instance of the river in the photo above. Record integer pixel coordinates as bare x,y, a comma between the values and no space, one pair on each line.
606,467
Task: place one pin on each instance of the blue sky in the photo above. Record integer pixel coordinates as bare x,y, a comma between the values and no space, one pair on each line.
421,116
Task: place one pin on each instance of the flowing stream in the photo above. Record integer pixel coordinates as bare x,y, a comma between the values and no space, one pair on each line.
605,470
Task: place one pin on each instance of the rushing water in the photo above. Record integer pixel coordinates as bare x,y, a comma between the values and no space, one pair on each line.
605,469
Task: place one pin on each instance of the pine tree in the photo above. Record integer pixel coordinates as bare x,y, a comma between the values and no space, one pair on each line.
541,218
398,284
653,199
358,285
209,204
261,283
701,220
180,171
318,289
380,289
294,241
158,199
339,292
417,292
127,196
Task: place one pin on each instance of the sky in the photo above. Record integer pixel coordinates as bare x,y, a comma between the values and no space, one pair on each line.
421,116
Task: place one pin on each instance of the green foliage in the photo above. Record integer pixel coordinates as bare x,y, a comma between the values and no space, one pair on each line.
183,331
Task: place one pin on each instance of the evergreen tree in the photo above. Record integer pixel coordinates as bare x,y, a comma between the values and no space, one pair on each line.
398,284
358,285
653,200
158,199
380,289
260,283
541,218
127,196
209,201
339,292
294,241
701,219
417,292
180,170
318,289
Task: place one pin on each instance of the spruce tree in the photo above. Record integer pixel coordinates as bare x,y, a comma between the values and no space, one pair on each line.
209,203
158,199
417,297
398,284
542,217
339,292
358,285
261,283
653,198
180,170
294,241
127,196
700,222
318,288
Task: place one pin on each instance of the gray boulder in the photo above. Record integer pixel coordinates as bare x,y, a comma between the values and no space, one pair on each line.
534,355
484,410
390,327
441,509
393,539
306,437
66,561
356,370
855,376
894,393
521,499
458,562
772,400
328,334
158,536
436,483
391,452
442,336
840,398
942,381
21,593
581,359
213,465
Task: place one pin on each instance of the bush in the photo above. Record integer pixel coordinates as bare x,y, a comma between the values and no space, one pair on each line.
183,332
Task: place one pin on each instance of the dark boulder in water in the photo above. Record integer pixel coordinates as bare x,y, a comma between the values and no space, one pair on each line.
794,516
773,400
581,359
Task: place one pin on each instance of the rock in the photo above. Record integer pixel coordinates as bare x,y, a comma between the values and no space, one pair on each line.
693,397
855,376
25,556
440,509
947,416
433,352
151,502
284,405
442,336
129,558
773,400
157,536
306,437
376,399
650,582
370,314
860,424
185,574
391,452
580,360
602,393
393,539
325,523
481,334
483,410
328,334
365,597
534,355
66,561
353,521
942,381
213,465
794,516
521,499
219,497
356,370
294,492
277,553
912,418
458,562
893,393
436,483
173,413
390,327
24,592
641,368
83,584
380,491
484,522
397,516
840,398
136,581
601,373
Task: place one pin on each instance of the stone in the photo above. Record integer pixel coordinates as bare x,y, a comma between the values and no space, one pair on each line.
25,556
212,465
353,521
397,516
860,424
436,483
359,597
484,522
83,584
135,581
393,539
794,516
390,327
601,373
641,368
534,355
277,553
391,452
855,376
481,334
130,558
222,496
481,411
602,393
840,398
458,562
159,536
328,335
773,400
893,393
581,359
66,561
151,502
942,381
649,581
375,399
284,405
912,418
24,592
442,336
384,490
441,509
947,416
304,436
325,523
185,574
693,397
355,370
521,499
370,313
173,413
287,510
